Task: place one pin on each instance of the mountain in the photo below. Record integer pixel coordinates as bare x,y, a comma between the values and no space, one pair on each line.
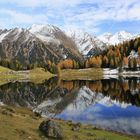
37,44
86,44
53,35
40,43
89,45
115,39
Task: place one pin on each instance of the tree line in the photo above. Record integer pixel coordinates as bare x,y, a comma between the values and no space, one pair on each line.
17,65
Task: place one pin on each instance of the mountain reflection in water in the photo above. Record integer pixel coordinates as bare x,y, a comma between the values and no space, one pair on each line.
109,103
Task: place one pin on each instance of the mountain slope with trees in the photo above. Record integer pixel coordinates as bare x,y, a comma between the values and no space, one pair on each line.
125,55
49,47
21,49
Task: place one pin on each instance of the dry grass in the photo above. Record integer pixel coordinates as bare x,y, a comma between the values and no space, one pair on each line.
3,69
20,125
82,74
37,75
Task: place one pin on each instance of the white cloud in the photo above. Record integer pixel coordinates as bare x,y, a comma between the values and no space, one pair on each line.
19,17
37,3
75,13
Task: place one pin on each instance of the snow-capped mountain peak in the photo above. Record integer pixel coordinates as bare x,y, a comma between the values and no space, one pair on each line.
84,41
121,36
115,39
47,30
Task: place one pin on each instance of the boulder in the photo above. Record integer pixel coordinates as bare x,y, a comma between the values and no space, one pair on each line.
76,126
51,129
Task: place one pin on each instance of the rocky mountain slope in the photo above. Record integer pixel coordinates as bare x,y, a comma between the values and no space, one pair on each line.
37,45
53,35
86,43
89,45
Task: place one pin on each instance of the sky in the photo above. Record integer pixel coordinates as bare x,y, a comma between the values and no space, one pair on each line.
93,16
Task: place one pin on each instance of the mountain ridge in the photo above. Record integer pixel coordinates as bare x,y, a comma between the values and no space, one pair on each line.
28,47
40,44
86,42
114,39
82,41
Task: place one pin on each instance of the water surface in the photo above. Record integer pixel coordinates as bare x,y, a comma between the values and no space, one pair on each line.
109,103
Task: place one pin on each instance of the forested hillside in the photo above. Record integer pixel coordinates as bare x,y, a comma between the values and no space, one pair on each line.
124,55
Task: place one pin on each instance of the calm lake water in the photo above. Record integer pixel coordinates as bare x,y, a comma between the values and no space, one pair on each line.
109,103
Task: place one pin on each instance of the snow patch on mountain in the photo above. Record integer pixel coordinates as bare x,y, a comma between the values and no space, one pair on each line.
133,54
3,34
15,33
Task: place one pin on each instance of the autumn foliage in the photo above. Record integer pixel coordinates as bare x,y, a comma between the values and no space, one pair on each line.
125,55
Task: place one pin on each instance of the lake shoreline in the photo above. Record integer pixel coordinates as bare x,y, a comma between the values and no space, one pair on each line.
95,74
37,75
66,74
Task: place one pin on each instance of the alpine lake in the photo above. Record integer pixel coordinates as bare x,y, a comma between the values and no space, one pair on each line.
109,103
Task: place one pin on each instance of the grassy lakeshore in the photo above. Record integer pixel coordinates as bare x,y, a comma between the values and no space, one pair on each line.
82,74
22,124
36,75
